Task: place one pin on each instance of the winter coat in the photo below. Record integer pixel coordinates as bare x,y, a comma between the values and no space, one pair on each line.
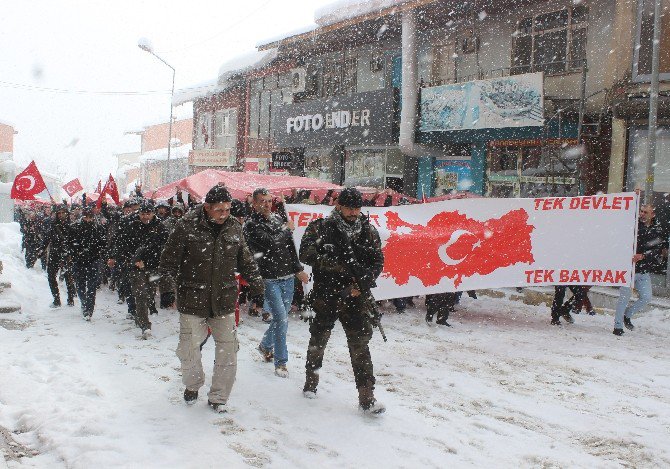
136,241
204,265
272,245
334,264
86,243
650,242
56,238
169,223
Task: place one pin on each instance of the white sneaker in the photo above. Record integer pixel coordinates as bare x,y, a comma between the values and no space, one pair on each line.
281,371
147,334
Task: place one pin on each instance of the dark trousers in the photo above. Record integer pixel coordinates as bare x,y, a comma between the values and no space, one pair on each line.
53,266
125,287
30,254
352,313
144,292
558,308
86,278
441,304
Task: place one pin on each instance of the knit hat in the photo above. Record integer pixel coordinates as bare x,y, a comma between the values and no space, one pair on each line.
147,205
350,198
218,194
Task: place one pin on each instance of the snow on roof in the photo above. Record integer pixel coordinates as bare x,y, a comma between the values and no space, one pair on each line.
127,167
252,60
161,154
343,10
201,90
296,32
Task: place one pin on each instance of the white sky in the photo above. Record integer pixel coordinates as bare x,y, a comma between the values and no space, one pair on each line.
92,45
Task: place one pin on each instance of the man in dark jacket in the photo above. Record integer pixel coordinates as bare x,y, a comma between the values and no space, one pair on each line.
271,242
120,253
56,240
648,257
140,239
87,244
345,253
166,286
30,229
152,236
203,253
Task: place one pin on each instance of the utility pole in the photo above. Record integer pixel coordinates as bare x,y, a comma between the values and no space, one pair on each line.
653,105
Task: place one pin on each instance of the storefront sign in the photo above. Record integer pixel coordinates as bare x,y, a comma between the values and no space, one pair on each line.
452,175
515,101
534,142
282,160
358,119
223,157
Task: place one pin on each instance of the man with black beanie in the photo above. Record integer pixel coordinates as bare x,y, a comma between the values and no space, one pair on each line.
203,253
345,253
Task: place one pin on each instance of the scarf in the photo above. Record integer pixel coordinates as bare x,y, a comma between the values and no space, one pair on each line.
351,230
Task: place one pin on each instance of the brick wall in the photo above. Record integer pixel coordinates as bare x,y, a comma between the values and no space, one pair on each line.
6,138
155,137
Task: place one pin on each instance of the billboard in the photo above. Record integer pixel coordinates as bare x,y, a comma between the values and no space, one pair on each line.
514,101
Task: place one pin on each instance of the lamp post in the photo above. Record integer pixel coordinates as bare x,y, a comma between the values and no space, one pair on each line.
147,48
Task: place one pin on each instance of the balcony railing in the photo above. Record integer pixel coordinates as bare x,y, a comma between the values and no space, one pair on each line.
549,68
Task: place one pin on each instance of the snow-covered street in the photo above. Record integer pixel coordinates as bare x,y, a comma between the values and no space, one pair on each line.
501,388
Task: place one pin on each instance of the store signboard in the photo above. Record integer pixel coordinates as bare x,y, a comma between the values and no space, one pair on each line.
282,160
452,175
358,119
514,101
223,157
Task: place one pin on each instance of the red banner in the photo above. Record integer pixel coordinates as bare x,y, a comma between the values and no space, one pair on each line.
28,183
72,187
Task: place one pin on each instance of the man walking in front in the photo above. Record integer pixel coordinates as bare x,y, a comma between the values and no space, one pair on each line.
271,242
203,253
345,253
648,257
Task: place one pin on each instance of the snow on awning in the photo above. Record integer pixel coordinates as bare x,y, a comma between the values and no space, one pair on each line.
161,154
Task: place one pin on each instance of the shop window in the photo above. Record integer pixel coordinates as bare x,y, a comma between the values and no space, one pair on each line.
552,42
365,164
204,135
255,89
338,75
319,165
264,117
644,38
637,166
225,128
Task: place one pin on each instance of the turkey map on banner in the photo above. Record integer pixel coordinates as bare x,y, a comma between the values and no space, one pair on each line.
28,183
471,244
72,187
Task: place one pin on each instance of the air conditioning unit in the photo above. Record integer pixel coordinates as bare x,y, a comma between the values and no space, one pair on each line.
298,80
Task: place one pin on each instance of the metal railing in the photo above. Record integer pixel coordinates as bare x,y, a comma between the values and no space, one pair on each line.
549,68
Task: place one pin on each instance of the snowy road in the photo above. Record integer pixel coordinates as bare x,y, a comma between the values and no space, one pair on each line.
501,388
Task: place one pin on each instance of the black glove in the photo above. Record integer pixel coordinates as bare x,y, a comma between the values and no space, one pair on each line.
258,300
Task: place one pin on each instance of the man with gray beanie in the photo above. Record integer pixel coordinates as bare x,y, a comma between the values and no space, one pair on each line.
203,253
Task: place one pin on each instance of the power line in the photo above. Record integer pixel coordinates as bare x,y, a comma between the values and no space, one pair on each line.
24,86
228,29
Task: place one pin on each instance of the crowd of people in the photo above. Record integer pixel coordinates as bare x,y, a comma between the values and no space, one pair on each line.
207,258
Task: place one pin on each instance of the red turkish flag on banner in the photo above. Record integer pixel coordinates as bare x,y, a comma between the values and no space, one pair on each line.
111,189
72,187
28,183
99,188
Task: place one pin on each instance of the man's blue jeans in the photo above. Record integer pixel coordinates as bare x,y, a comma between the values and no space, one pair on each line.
278,299
642,283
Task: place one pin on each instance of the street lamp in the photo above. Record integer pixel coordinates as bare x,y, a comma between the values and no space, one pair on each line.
147,48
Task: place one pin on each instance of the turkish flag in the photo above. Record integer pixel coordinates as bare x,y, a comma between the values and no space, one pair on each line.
454,246
99,188
72,187
28,183
110,189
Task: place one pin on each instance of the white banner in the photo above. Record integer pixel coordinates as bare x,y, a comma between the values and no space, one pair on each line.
471,244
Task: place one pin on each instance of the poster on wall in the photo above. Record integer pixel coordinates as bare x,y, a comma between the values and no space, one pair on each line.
514,101
452,175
